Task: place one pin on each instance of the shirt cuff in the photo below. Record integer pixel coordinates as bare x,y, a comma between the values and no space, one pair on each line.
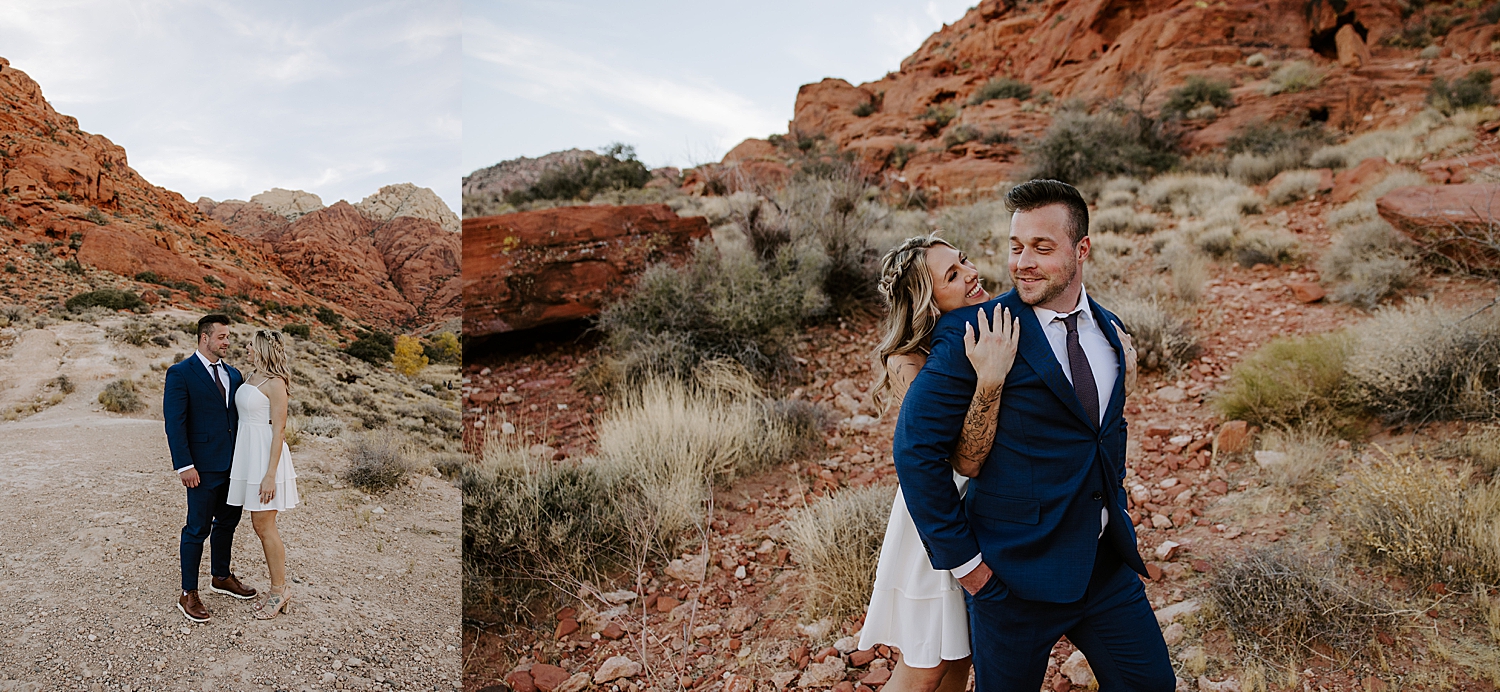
185,468
963,570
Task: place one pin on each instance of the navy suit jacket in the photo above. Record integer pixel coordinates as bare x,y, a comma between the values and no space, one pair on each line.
1033,511
200,428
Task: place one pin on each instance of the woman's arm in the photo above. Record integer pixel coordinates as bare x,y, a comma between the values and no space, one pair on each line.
992,351
278,397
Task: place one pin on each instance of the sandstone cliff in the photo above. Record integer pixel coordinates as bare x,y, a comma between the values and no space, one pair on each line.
1093,49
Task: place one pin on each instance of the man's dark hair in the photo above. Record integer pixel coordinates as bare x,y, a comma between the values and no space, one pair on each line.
203,324
1035,194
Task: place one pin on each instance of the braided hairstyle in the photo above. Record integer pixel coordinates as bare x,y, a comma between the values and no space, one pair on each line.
911,312
268,355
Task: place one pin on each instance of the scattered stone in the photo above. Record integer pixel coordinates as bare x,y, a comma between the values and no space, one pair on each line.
847,645
1233,438
784,678
1228,684
823,674
739,619
1158,430
548,677
577,683
1171,395
1153,571
519,681
1181,440
1173,633
1218,487
1077,670
690,568
612,631
666,604
739,683
1161,521
1167,550
860,659
1233,532
616,667
565,627
1177,610
1269,458
709,630
1306,291
876,676
618,597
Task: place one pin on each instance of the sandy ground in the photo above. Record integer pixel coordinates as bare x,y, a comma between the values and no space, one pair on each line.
90,513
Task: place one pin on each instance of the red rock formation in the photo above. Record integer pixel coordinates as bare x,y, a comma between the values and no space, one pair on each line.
1460,222
541,267
69,195
1092,49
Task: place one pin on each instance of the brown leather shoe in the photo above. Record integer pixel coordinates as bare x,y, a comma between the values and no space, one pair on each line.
231,586
192,608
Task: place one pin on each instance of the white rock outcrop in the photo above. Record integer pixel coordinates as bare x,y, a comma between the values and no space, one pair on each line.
293,204
406,199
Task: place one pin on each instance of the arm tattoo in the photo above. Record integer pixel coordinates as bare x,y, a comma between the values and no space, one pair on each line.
978,433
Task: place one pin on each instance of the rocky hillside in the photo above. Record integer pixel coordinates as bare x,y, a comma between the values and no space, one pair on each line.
74,217
487,187
927,124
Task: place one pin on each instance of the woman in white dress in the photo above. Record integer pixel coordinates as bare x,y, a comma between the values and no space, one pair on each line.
914,608
261,478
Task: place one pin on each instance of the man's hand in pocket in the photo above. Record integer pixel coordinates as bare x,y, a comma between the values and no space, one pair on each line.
975,580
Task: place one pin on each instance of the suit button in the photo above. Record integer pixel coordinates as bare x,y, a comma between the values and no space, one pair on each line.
1098,495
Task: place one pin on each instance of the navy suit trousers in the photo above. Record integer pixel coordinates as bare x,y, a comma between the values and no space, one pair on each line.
1113,625
210,517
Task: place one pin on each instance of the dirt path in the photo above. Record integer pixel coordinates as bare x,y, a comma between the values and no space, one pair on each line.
91,513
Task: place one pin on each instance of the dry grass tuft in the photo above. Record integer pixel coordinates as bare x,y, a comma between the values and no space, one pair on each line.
1290,382
1163,339
1303,461
1277,603
1121,219
1423,520
1293,187
1370,261
378,461
837,543
1195,195
1481,446
1265,246
119,396
1423,362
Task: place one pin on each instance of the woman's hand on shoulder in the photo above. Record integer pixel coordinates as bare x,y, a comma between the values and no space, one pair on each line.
992,350
1132,362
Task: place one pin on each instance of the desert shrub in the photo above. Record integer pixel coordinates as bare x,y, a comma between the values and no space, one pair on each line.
1393,180
1192,195
64,384
834,214
1468,91
1423,362
1265,246
715,306
378,461
900,154
1216,241
1295,76
1261,149
1422,520
836,541
1253,169
373,347
1400,144
1293,187
970,227
673,440
1081,146
1198,91
108,298
961,134
1290,381
1121,219
301,331
327,316
1302,461
119,396
1369,261
323,426
938,117
1491,13
1277,602
1455,137
865,110
134,332
1163,340
407,356
1481,446
1115,198
1352,213
1189,270
443,347
532,527
1003,88
615,169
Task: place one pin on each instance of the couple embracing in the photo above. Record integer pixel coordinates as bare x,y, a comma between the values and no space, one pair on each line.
227,434
1009,529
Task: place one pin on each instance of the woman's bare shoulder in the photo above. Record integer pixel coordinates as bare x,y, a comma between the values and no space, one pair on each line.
903,367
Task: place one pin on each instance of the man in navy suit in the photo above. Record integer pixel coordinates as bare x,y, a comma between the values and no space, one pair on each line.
1041,542
198,404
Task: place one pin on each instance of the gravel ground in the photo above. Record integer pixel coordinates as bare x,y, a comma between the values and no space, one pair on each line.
90,513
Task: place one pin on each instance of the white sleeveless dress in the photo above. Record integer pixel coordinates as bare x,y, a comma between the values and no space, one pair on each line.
913,607
252,454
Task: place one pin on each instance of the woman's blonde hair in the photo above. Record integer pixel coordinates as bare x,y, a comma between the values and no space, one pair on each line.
911,312
268,349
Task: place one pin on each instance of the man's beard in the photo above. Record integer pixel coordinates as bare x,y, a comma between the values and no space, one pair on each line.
1051,289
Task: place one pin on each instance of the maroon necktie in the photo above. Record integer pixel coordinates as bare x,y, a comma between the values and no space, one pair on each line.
1083,375
225,395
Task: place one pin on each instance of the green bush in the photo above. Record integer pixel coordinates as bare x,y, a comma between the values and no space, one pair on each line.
1198,91
109,298
443,347
938,117
730,306
372,347
865,110
301,331
1295,76
119,396
97,216
1003,88
327,316
1080,146
1468,91
616,169
961,134
1290,381
901,154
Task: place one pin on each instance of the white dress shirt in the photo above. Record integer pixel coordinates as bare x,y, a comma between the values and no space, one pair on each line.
1101,356
223,377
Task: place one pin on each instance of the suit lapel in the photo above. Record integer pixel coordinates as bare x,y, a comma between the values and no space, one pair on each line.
1107,321
208,377
1037,351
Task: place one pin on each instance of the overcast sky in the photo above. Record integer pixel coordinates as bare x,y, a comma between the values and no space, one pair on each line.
682,81
227,99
